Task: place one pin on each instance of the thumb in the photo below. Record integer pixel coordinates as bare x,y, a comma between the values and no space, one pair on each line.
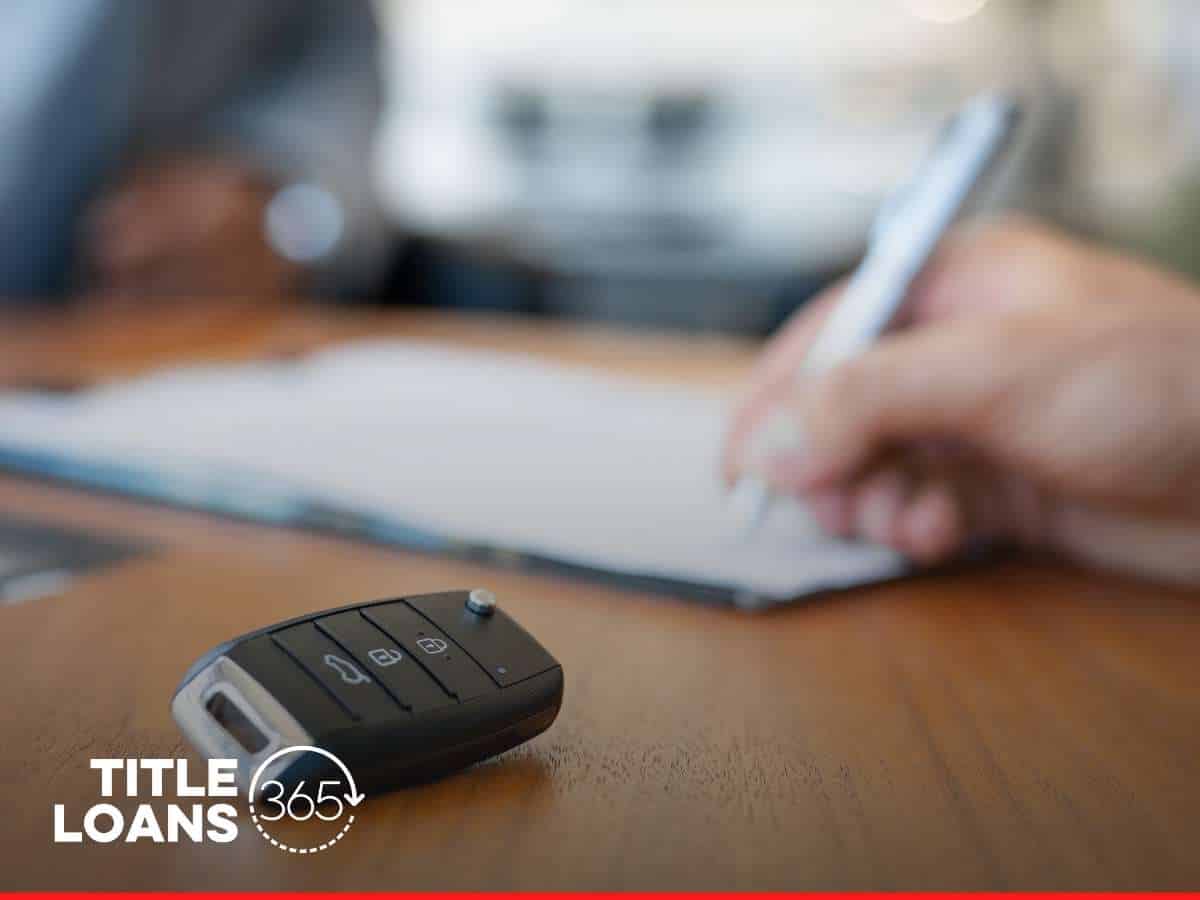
935,383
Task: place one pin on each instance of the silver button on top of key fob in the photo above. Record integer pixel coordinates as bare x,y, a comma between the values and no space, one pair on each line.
400,690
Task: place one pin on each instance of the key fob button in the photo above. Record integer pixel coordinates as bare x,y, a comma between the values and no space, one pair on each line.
495,641
481,601
271,666
432,648
340,673
383,659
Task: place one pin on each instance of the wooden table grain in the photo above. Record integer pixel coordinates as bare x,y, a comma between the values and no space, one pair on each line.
1013,725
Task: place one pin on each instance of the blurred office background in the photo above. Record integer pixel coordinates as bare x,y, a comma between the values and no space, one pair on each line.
708,164
697,164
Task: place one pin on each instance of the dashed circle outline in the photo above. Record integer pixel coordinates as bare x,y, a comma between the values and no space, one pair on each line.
301,850
288,847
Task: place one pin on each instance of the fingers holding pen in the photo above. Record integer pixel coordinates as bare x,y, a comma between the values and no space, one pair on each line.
990,268
928,502
868,506
773,379
929,515
924,513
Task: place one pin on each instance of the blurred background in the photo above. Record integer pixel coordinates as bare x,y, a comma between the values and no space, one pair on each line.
708,164
703,165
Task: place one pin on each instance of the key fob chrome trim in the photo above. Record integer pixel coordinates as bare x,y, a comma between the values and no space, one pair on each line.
191,709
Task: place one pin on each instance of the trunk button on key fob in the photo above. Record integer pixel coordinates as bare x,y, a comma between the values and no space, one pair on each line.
340,673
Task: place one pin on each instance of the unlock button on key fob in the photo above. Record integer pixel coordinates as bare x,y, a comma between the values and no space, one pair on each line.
340,673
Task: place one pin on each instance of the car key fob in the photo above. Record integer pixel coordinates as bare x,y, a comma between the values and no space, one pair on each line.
401,691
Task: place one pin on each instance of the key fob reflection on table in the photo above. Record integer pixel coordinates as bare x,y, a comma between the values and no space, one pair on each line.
401,690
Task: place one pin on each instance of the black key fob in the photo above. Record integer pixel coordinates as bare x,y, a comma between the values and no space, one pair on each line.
401,691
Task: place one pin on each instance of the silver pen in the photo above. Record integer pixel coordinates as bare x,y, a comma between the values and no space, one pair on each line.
904,235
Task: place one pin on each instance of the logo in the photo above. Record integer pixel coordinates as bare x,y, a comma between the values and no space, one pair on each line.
301,805
105,823
185,811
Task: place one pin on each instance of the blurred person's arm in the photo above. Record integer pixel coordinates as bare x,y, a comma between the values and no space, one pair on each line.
190,218
1042,392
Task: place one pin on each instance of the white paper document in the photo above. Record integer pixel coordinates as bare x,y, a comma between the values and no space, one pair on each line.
500,451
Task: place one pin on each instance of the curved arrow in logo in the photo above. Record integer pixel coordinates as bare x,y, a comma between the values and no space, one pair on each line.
353,798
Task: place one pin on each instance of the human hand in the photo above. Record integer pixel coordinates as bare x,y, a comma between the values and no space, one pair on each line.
185,227
1042,392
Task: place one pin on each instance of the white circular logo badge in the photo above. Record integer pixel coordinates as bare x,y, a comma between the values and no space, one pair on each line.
328,802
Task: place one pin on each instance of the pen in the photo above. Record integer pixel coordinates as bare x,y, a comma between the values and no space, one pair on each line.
904,235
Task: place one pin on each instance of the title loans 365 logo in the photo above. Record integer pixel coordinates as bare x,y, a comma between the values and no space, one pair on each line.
327,803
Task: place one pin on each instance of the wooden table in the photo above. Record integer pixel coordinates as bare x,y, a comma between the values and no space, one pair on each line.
1017,725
